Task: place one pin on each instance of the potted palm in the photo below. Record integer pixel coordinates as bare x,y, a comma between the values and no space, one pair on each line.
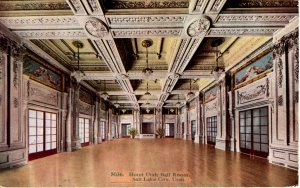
132,132
160,133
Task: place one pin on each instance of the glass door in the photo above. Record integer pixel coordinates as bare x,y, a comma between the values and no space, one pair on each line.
42,134
193,124
211,130
254,137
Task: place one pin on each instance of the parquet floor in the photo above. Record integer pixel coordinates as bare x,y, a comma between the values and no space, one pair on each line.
160,162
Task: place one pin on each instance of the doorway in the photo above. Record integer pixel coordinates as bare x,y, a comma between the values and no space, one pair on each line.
147,128
169,130
254,131
182,130
125,130
211,130
193,125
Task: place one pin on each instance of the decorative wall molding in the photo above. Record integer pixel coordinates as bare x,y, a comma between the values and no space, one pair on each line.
215,32
255,91
52,34
211,106
85,108
39,93
254,94
198,27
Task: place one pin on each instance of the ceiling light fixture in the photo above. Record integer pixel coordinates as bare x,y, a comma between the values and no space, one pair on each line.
117,105
105,95
78,75
190,94
217,71
146,44
147,94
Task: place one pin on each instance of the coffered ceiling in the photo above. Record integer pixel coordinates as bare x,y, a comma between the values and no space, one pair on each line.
112,32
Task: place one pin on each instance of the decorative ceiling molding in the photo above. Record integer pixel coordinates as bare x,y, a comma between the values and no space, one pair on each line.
253,19
154,4
77,7
198,27
198,6
52,34
221,32
34,22
217,6
96,27
138,33
32,5
117,21
260,3
93,7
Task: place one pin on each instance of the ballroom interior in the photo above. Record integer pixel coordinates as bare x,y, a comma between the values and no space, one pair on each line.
209,88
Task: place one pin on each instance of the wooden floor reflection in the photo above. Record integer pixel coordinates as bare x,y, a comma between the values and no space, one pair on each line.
93,165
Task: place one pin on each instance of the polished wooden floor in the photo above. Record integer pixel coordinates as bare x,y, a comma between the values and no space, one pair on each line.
195,165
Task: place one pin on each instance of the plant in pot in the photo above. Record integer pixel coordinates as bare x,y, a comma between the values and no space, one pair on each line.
160,133
132,132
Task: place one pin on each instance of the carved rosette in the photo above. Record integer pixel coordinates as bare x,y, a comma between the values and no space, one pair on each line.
198,27
97,28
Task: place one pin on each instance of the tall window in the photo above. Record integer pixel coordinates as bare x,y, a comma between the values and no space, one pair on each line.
254,137
193,124
84,130
167,129
103,130
211,129
42,133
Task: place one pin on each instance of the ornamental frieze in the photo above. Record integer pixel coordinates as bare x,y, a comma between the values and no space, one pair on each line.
127,20
39,94
252,94
85,108
212,106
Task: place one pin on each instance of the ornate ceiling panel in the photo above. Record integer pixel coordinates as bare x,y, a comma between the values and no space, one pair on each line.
34,8
112,32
